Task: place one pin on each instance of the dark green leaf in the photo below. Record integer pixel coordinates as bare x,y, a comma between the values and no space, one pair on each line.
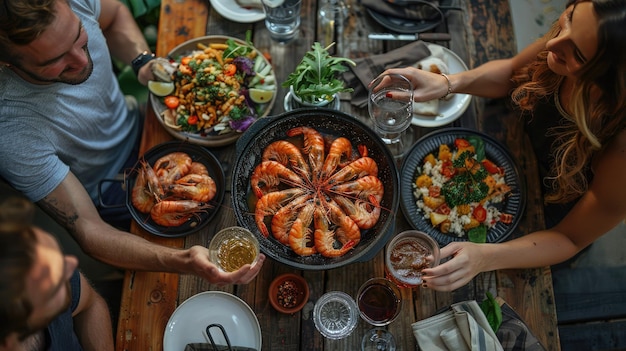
477,234
492,311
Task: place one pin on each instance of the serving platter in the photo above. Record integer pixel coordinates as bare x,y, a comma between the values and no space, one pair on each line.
197,154
214,138
514,203
449,110
188,323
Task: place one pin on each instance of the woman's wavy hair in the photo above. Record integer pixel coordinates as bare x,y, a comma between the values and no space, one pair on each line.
17,256
21,22
595,121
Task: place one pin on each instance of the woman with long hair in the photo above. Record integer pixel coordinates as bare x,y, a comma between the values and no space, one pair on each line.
571,87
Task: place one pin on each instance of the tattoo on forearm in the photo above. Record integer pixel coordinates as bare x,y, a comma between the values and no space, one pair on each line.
51,206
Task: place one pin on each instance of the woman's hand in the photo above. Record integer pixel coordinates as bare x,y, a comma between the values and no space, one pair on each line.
467,260
209,271
427,85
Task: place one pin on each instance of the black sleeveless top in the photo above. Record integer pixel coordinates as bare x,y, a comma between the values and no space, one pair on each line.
540,123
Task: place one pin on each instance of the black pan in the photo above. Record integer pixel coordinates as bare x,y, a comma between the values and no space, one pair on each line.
331,124
197,154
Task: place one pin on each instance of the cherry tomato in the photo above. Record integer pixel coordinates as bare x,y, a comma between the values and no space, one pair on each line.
443,209
230,69
461,143
192,120
185,60
491,167
447,169
480,214
171,102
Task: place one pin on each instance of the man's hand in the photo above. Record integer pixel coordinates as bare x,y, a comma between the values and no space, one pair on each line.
209,271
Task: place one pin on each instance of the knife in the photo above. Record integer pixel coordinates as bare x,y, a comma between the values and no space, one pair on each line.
416,36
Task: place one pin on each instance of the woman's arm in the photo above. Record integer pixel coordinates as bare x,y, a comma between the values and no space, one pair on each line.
72,207
491,80
600,209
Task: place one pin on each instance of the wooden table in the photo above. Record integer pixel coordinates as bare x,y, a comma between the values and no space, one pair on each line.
150,298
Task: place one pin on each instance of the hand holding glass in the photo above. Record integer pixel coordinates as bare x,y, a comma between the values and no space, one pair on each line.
390,105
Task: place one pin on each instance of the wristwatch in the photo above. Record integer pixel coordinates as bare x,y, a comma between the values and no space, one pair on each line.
141,60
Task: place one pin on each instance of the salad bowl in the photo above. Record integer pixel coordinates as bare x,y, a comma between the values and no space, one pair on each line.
227,130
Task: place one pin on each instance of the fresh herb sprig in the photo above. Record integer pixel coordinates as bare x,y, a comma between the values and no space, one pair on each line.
316,78
467,185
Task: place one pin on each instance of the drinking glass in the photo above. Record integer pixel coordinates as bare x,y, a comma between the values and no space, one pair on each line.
406,255
282,19
390,105
379,304
331,19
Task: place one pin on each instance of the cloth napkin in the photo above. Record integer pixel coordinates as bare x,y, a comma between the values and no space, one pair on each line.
404,10
368,68
463,327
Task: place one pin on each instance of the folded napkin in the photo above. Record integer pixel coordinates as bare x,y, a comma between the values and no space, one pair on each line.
463,327
414,10
368,68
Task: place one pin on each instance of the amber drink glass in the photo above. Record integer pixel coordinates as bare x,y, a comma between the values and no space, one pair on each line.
406,255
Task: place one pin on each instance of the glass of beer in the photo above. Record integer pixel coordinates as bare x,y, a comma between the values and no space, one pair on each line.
407,254
379,302
233,247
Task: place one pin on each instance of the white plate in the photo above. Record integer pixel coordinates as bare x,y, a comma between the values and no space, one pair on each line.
189,321
231,10
451,109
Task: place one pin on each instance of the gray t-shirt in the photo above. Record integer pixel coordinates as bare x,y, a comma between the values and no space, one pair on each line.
48,130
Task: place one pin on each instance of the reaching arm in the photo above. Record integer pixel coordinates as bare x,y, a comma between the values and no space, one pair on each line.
491,80
600,209
72,207
92,322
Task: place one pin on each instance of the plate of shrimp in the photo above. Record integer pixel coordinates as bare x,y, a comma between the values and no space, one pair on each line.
317,187
175,189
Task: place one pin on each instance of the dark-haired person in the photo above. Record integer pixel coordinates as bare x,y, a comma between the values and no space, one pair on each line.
65,125
45,303
571,85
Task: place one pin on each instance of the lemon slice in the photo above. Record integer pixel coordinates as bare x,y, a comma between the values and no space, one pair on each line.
260,96
160,88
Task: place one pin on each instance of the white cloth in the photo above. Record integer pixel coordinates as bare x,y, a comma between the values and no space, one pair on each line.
463,327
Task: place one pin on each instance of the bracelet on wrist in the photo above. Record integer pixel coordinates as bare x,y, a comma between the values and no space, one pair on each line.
449,87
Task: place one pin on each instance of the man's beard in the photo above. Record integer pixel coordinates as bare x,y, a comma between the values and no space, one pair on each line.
82,77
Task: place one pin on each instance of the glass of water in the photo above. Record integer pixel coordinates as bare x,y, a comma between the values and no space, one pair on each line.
282,19
390,107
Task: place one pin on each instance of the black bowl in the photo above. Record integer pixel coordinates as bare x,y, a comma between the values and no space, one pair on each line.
331,124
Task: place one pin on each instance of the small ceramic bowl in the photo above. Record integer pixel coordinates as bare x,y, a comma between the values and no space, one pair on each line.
288,293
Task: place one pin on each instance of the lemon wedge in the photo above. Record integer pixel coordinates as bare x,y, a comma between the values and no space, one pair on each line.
260,96
160,88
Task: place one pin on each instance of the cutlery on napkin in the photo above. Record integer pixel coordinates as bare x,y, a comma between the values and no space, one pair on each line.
368,68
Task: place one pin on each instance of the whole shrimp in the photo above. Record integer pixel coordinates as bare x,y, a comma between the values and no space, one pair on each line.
195,187
313,147
147,189
269,174
198,168
270,203
368,188
287,154
365,214
360,167
347,233
172,213
172,167
300,235
283,220
338,148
